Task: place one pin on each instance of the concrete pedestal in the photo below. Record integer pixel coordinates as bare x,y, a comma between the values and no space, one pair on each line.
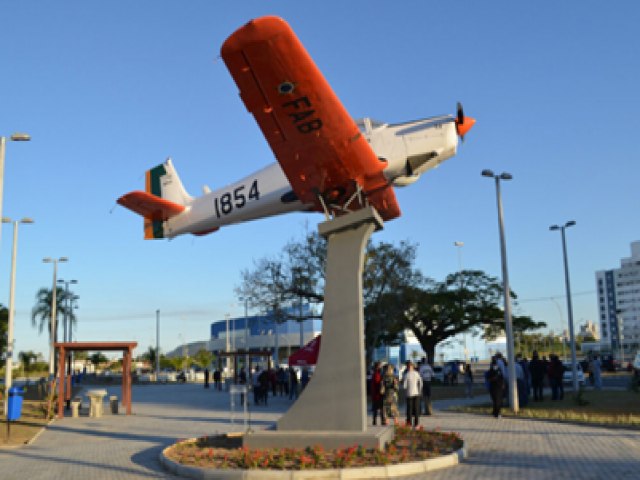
96,397
332,409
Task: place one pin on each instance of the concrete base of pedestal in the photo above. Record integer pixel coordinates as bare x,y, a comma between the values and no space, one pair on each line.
374,437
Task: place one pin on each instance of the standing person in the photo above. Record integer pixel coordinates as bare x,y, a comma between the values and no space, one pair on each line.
293,383
468,380
597,372
304,378
496,386
273,381
263,381
242,379
412,385
255,383
377,392
426,373
556,372
521,381
206,377
282,381
216,379
390,396
537,371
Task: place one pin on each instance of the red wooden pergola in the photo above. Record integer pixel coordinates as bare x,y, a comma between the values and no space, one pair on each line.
64,382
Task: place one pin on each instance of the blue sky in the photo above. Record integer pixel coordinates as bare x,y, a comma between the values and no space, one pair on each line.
110,89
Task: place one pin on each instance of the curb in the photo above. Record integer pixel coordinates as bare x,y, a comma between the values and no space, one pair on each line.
384,471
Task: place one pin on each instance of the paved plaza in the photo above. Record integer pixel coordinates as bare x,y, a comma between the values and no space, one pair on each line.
127,447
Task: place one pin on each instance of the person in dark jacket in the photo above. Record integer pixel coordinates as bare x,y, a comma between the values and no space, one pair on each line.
556,372
537,370
496,386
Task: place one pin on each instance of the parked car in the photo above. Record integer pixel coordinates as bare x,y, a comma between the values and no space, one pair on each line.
567,376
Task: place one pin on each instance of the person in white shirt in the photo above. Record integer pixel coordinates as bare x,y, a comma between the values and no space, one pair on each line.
412,385
426,373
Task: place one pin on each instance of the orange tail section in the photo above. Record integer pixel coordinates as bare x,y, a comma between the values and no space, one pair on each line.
153,204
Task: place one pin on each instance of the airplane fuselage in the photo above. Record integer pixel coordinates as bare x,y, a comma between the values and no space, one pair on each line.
409,149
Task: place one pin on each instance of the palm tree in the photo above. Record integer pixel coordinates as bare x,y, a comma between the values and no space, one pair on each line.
41,311
25,359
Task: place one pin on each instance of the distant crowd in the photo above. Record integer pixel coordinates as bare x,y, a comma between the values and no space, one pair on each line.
415,382
532,376
284,382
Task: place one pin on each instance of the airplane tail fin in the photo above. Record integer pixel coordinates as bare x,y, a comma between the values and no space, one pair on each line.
164,197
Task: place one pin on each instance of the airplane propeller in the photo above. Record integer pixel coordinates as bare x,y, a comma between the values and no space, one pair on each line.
463,124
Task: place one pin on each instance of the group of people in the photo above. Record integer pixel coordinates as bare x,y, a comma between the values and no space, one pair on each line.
280,382
385,386
531,378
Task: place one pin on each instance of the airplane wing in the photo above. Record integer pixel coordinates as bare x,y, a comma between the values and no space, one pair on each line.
318,145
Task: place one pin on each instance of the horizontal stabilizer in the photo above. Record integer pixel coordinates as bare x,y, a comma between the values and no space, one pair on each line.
150,206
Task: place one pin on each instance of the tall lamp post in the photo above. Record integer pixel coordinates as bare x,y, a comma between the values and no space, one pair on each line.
572,338
53,311
16,137
157,345
459,246
513,386
12,290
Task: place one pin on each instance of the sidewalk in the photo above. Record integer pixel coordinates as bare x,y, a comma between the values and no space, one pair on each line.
127,447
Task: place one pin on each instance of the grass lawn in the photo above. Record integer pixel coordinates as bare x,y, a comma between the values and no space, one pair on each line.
607,407
24,429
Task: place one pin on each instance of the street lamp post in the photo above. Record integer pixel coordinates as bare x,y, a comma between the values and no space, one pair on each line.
16,137
459,246
53,311
572,338
12,290
157,345
513,386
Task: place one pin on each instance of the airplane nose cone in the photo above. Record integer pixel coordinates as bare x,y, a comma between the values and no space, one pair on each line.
464,126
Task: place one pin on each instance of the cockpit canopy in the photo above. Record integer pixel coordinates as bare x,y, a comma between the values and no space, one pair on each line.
362,124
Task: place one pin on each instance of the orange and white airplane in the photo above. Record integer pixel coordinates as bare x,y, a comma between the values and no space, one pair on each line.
327,162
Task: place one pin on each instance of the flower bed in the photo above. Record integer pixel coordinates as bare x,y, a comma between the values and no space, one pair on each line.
226,452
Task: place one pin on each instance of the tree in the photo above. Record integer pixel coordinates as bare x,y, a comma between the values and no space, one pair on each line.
463,301
203,358
97,358
280,285
41,311
150,356
26,358
388,269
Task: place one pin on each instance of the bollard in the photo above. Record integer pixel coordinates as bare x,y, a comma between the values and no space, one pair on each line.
75,407
113,399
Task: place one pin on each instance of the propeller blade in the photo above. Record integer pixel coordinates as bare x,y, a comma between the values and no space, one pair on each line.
463,124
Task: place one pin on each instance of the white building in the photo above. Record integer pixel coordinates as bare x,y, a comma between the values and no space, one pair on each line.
260,333
619,304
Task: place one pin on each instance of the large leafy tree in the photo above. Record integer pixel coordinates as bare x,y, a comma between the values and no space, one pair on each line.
439,311
280,285
41,311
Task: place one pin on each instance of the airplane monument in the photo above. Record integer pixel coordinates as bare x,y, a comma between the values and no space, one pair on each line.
326,162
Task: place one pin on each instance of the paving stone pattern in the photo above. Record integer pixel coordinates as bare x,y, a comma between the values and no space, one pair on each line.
127,447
